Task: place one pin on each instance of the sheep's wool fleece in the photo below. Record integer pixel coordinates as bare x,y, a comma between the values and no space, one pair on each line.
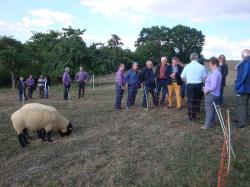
35,116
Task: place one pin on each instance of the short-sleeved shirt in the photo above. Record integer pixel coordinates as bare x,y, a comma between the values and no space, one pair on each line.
194,73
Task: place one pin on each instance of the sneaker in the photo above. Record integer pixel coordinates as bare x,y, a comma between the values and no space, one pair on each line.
204,128
127,107
179,109
144,108
169,107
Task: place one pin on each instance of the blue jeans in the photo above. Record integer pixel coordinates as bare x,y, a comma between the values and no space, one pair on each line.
132,91
118,97
46,93
210,110
162,86
183,90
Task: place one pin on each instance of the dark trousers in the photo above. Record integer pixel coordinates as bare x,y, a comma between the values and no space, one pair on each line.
118,98
183,90
41,92
81,89
241,105
30,91
66,91
154,96
221,97
22,93
194,95
132,91
162,86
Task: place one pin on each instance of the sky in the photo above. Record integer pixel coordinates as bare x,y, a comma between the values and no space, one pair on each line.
225,23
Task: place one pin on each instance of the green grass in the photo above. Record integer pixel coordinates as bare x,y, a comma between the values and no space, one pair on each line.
108,148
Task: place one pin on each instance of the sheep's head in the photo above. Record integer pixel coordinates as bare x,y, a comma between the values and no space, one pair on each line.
69,130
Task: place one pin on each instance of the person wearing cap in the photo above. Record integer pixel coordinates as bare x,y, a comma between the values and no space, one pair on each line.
66,82
161,79
174,83
120,84
212,92
242,89
147,79
133,83
194,74
81,77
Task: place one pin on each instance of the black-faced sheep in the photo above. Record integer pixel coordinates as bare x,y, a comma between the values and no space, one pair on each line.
40,118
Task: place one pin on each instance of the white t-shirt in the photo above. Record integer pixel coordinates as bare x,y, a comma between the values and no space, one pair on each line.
194,73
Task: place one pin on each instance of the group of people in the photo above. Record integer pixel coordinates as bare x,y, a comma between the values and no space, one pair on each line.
42,83
80,78
192,80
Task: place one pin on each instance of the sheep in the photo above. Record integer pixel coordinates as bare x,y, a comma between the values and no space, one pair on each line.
40,118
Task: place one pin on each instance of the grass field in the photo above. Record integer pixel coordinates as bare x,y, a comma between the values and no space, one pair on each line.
128,148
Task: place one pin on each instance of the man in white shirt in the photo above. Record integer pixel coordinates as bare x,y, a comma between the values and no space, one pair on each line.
194,75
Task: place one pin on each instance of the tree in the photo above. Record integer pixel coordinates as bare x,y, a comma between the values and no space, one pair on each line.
115,42
13,56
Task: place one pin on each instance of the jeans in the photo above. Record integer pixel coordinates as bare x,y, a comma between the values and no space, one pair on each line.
119,95
30,91
154,97
66,91
162,85
41,92
22,95
46,93
174,87
241,106
221,97
183,90
194,95
132,91
210,110
81,89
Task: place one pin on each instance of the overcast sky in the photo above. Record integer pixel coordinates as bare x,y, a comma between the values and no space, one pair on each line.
226,23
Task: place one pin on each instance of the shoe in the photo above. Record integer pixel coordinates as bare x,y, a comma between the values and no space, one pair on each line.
118,109
127,107
179,109
189,119
204,128
169,107
144,108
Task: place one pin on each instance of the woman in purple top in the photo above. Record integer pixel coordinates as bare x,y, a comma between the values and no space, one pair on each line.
66,82
119,86
212,92
30,83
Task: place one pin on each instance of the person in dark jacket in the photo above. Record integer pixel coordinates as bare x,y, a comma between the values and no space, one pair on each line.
161,79
174,82
21,89
147,79
224,72
31,84
242,89
133,83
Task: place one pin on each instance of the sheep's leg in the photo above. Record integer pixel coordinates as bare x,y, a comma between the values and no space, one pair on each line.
43,134
20,138
25,139
48,134
25,133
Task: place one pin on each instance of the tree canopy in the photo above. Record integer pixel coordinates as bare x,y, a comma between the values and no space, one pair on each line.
50,52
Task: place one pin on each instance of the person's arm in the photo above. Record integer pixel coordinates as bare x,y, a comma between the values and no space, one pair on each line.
127,77
77,77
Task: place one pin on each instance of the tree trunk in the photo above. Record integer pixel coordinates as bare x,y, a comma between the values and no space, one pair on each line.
13,80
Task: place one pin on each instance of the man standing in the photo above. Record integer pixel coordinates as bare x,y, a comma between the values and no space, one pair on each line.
147,79
21,89
224,72
81,77
119,86
66,82
194,74
161,79
133,82
30,83
40,84
174,83
242,88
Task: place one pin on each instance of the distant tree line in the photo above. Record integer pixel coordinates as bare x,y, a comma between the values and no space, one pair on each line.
48,53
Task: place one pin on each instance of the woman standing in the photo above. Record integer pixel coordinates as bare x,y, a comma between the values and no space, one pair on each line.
212,92
224,72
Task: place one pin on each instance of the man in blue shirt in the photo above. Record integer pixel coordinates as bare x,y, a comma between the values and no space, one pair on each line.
133,82
242,88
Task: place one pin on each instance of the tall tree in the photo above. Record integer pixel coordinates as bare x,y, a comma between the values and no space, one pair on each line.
12,56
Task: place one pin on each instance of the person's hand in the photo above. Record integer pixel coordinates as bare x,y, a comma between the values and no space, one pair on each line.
142,85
